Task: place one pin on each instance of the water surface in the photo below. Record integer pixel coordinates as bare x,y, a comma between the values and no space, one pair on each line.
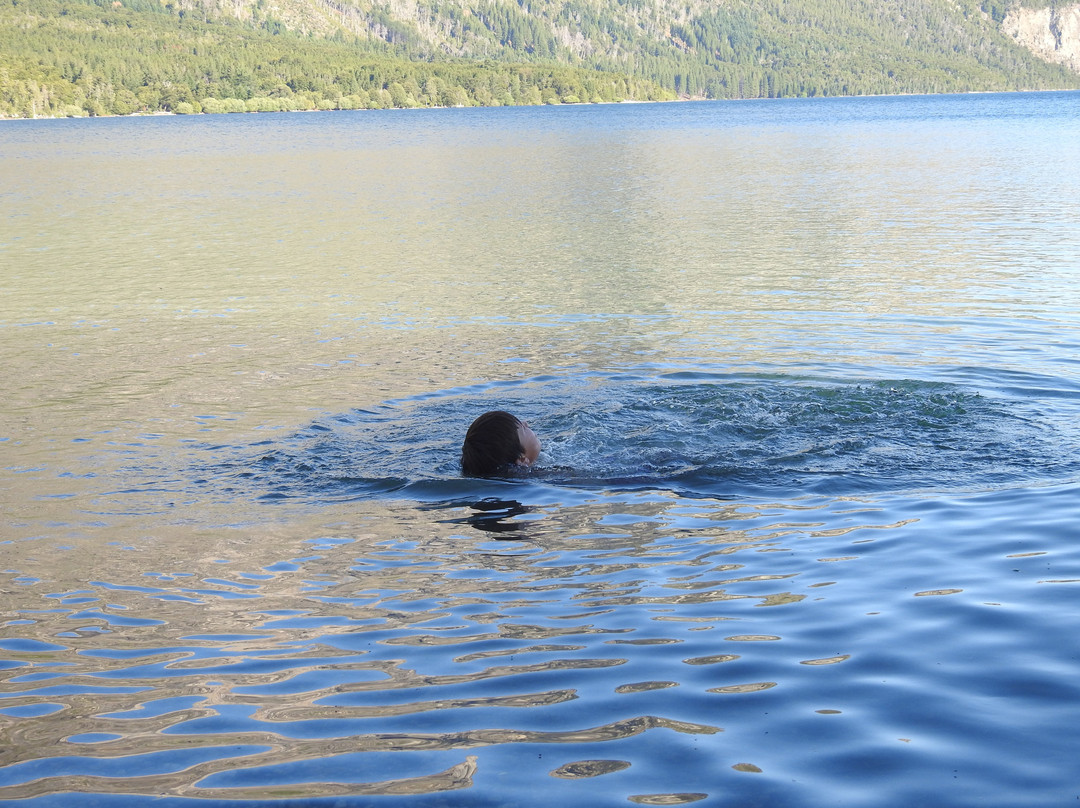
802,533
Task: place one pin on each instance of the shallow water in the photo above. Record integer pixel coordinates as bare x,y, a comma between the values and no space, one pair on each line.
802,533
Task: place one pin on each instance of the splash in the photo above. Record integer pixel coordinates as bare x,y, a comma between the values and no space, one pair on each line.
693,434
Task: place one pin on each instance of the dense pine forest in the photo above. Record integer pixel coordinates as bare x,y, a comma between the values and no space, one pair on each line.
117,57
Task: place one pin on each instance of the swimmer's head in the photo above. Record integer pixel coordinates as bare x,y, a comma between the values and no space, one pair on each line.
495,441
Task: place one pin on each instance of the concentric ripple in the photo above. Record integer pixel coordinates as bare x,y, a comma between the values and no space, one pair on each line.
692,433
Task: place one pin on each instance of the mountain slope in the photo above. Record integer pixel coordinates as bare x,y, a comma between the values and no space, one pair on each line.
118,56
785,47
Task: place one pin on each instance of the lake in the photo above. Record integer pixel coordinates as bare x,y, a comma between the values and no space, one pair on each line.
804,527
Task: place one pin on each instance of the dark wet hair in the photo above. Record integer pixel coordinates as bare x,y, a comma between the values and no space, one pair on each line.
491,444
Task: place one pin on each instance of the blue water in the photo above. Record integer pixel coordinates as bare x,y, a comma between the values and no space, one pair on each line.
693,433
802,532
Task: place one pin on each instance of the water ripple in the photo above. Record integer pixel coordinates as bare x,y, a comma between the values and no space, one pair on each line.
690,433
428,659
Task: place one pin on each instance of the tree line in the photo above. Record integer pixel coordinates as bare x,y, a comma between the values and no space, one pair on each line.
73,59
98,57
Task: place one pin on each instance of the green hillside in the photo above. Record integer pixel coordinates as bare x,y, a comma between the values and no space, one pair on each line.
65,57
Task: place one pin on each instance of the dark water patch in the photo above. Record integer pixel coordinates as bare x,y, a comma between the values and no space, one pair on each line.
687,433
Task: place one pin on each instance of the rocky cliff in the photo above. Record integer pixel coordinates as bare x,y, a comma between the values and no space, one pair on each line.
1052,33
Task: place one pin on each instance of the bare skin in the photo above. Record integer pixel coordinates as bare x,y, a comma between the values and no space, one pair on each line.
530,445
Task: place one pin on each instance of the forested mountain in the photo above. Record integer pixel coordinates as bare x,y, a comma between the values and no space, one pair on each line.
73,57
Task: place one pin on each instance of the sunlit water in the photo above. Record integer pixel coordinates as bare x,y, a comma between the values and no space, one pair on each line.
803,532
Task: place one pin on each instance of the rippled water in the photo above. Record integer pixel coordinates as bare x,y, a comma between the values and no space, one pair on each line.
802,532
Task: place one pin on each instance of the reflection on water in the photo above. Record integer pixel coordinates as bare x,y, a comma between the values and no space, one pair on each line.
401,654
802,532
495,515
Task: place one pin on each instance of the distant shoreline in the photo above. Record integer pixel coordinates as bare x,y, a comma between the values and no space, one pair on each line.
167,114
